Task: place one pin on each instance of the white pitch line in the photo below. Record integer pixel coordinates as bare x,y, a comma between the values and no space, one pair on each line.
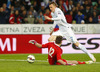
21,60
35,60
11,60
97,62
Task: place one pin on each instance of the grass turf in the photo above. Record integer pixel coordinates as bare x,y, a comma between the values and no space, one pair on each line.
39,66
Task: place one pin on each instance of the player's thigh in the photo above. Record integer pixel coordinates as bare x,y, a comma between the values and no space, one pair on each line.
52,38
54,35
70,36
57,33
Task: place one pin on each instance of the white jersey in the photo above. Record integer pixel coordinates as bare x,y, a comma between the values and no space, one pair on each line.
64,27
59,19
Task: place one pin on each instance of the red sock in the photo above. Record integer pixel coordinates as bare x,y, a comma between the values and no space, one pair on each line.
80,62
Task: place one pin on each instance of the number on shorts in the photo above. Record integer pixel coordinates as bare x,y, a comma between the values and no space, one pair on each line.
51,51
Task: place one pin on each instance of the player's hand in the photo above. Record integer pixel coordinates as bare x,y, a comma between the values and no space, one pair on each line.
32,41
48,18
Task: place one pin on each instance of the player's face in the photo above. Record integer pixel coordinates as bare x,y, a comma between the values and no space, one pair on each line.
52,7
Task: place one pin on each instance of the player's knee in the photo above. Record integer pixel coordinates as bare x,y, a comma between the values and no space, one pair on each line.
49,40
52,38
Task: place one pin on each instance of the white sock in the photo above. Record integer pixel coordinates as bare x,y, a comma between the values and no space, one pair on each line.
83,48
86,51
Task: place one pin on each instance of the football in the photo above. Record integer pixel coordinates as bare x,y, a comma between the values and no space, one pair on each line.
31,58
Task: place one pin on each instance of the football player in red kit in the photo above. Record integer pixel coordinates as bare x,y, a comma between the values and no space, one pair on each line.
55,53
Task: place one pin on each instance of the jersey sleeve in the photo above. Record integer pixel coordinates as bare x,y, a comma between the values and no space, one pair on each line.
45,45
51,14
58,12
54,24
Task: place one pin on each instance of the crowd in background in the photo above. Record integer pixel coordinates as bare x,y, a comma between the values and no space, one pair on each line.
33,11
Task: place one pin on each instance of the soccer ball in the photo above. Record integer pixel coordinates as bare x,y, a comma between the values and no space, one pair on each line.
31,58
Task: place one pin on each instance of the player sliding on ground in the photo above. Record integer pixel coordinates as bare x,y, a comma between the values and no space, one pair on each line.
55,52
64,28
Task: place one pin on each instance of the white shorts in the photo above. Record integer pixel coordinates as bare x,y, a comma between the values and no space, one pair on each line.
57,33
68,34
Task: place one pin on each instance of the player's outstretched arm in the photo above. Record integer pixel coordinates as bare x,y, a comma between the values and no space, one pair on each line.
35,43
38,45
48,18
57,18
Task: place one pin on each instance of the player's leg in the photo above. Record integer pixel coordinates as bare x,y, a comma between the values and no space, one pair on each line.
52,38
54,35
72,62
71,37
85,50
79,62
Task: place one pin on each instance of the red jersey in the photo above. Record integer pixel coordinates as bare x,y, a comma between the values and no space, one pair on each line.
54,53
12,19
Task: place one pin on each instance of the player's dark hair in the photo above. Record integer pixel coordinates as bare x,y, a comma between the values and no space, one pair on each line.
58,39
54,3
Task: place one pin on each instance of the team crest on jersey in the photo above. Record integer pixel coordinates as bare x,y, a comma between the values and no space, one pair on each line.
59,12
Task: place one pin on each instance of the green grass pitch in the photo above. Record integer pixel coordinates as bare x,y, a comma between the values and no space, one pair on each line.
10,63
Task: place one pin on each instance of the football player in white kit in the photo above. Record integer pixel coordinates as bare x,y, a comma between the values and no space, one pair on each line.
64,28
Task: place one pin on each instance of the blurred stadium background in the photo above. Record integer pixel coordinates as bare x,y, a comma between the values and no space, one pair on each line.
23,20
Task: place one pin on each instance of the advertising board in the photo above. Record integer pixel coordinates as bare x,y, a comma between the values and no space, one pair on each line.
90,41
